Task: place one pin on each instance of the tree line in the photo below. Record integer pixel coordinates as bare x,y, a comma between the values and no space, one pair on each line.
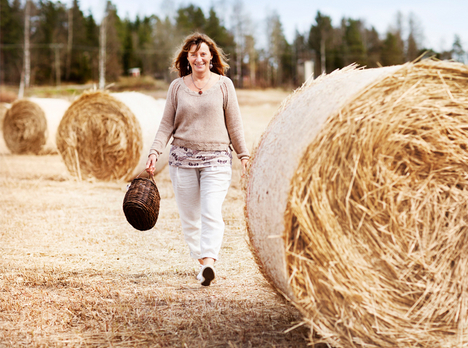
64,44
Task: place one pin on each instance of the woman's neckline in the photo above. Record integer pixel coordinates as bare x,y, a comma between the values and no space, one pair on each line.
207,91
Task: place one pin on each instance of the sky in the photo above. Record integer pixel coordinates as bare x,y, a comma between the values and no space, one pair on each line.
438,20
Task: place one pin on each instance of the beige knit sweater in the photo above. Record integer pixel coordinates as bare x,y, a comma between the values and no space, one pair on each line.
208,121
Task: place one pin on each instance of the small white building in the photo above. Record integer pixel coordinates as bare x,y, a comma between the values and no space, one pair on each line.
134,72
308,70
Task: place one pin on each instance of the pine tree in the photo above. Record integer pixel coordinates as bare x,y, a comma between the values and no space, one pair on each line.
11,37
279,52
458,52
413,43
301,53
320,40
392,54
48,40
144,54
353,47
190,19
373,48
165,43
114,39
128,50
239,22
91,54
412,48
218,32
81,65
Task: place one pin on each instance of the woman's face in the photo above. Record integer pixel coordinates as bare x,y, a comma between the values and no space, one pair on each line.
200,60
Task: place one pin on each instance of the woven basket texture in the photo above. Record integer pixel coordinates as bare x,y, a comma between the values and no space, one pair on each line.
141,204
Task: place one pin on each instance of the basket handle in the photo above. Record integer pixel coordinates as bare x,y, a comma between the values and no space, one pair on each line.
151,176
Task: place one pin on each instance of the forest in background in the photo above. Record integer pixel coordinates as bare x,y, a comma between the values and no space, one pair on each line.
64,44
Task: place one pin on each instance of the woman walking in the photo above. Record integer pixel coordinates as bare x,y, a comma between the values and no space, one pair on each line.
203,117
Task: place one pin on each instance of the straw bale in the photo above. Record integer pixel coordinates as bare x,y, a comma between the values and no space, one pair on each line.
356,205
3,109
107,136
149,112
7,97
29,125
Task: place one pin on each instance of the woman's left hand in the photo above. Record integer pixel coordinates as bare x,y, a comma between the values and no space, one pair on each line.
244,162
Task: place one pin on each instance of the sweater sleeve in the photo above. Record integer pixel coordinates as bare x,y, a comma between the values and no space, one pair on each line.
166,127
234,121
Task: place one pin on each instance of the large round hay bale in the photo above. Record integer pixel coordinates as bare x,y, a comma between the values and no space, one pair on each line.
356,205
3,109
108,136
30,125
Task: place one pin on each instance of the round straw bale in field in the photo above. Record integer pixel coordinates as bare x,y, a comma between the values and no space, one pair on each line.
108,136
30,125
3,109
7,97
356,205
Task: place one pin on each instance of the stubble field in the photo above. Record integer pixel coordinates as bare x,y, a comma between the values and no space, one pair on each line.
74,273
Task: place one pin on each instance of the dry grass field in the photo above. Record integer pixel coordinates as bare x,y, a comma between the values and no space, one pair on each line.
74,273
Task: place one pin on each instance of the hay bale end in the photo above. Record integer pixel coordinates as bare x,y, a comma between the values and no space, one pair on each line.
356,205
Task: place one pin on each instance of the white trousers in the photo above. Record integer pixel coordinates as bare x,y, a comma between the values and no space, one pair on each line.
200,193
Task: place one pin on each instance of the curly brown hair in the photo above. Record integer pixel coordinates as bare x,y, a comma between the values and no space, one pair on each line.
180,61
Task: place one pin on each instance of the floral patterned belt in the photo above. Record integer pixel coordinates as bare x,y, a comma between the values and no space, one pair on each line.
187,158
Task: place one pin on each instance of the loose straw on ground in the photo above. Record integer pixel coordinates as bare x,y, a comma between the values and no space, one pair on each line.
108,136
362,223
29,125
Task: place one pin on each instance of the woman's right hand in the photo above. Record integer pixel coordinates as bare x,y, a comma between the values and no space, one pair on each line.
151,163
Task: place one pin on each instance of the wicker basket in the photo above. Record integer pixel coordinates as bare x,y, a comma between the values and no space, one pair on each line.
141,203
